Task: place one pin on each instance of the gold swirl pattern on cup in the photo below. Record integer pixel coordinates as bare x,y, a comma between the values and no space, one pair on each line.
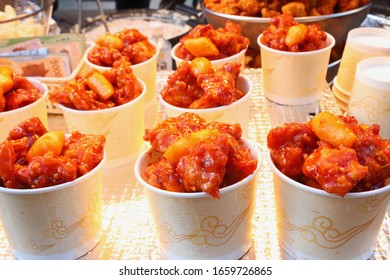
322,232
373,107
211,232
32,246
60,231
372,203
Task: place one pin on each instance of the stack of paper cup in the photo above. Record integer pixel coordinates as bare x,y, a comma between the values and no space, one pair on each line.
370,94
362,43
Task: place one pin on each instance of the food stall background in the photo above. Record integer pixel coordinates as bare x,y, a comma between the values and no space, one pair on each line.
64,10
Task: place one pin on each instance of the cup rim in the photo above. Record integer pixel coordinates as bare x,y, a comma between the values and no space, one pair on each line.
339,88
305,188
330,44
370,80
57,187
215,109
356,32
106,110
254,148
44,91
134,66
216,61
335,91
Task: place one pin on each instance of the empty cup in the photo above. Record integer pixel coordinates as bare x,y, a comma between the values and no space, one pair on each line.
362,42
370,96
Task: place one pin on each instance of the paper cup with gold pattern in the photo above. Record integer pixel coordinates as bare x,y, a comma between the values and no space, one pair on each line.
237,112
196,226
145,71
362,43
313,224
294,78
370,95
10,119
122,126
57,222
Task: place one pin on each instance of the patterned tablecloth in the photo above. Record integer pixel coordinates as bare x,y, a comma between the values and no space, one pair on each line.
128,229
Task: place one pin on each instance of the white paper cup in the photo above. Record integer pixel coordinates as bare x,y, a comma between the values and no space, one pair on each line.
123,127
237,112
217,63
370,96
58,222
294,78
145,71
10,119
361,43
196,226
313,224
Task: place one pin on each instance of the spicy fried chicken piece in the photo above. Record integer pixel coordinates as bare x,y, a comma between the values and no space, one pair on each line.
212,157
15,91
21,97
296,9
47,170
214,163
130,36
188,88
227,39
218,88
223,6
86,149
7,172
203,168
104,56
181,88
251,8
164,133
29,128
139,51
24,135
162,175
21,82
232,129
289,145
337,170
373,152
126,84
14,149
239,165
76,95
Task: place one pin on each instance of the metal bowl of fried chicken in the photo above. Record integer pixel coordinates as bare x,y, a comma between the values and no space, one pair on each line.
336,17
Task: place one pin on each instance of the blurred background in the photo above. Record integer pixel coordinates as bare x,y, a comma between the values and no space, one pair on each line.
65,10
